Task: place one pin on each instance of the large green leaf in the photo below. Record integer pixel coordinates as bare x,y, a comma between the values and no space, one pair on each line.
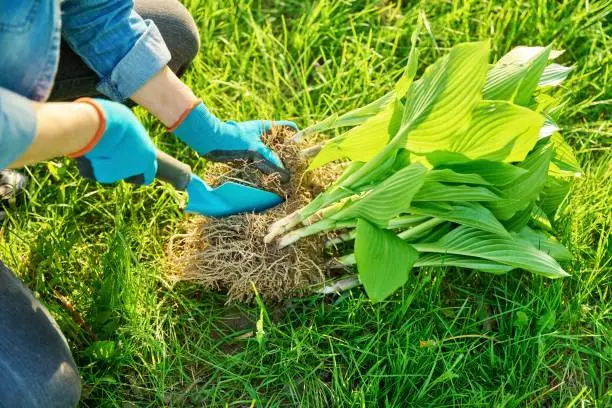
498,131
515,76
362,142
533,72
427,107
522,54
451,176
507,250
472,214
554,75
524,190
439,104
462,261
520,219
374,170
564,158
540,220
383,260
350,169
434,191
388,199
549,128
553,195
545,243
352,118
496,173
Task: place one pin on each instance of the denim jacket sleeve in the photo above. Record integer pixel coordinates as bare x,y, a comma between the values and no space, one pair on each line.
17,126
121,47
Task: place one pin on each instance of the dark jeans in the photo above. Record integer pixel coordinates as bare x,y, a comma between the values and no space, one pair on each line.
36,366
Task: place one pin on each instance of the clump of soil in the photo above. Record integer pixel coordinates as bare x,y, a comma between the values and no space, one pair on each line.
229,254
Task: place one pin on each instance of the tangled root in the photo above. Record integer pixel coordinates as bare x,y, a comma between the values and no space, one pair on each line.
229,254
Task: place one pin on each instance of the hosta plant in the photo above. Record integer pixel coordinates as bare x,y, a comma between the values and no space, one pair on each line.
464,166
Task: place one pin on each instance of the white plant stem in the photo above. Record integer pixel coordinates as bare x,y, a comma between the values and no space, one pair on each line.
340,286
287,223
296,235
402,221
424,227
350,259
310,152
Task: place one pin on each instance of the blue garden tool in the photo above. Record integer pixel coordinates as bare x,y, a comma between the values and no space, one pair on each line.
227,199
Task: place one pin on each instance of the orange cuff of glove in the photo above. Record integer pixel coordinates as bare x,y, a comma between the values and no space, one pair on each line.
94,141
183,116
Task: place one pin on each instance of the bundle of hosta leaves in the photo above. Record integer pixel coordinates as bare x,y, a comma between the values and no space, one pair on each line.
463,167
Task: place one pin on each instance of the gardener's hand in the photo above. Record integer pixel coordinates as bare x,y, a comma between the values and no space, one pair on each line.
230,141
121,149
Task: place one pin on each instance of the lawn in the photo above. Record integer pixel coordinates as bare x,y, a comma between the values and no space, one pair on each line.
96,256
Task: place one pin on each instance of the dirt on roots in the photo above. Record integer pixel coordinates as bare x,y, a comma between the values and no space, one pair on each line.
229,254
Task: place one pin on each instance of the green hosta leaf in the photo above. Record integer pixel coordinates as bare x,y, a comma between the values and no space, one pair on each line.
427,108
564,158
554,194
360,143
375,169
548,129
352,118
439,104
520,219
402,159
350,169
472,214
498,131
517,195
522,54
434,191
524,93
554,75
515,76
511,251
545,243
434,235
383,260
540,220
388,199
450,176
461,261
496,173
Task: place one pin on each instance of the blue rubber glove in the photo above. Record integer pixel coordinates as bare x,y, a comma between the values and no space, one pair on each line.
122,149
231,141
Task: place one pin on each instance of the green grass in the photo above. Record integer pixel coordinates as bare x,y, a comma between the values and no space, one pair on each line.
448,338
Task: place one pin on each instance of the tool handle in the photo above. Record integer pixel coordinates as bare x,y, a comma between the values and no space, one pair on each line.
172,171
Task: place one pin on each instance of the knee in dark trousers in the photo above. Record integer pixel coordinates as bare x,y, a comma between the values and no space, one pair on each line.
36,366
177,27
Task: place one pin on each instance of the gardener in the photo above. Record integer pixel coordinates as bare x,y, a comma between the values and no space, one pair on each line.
104,47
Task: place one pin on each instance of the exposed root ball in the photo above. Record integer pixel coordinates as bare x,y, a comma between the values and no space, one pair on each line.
229,254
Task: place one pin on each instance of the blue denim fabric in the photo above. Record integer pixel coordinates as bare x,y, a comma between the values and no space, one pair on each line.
121,47
36,367
17,126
